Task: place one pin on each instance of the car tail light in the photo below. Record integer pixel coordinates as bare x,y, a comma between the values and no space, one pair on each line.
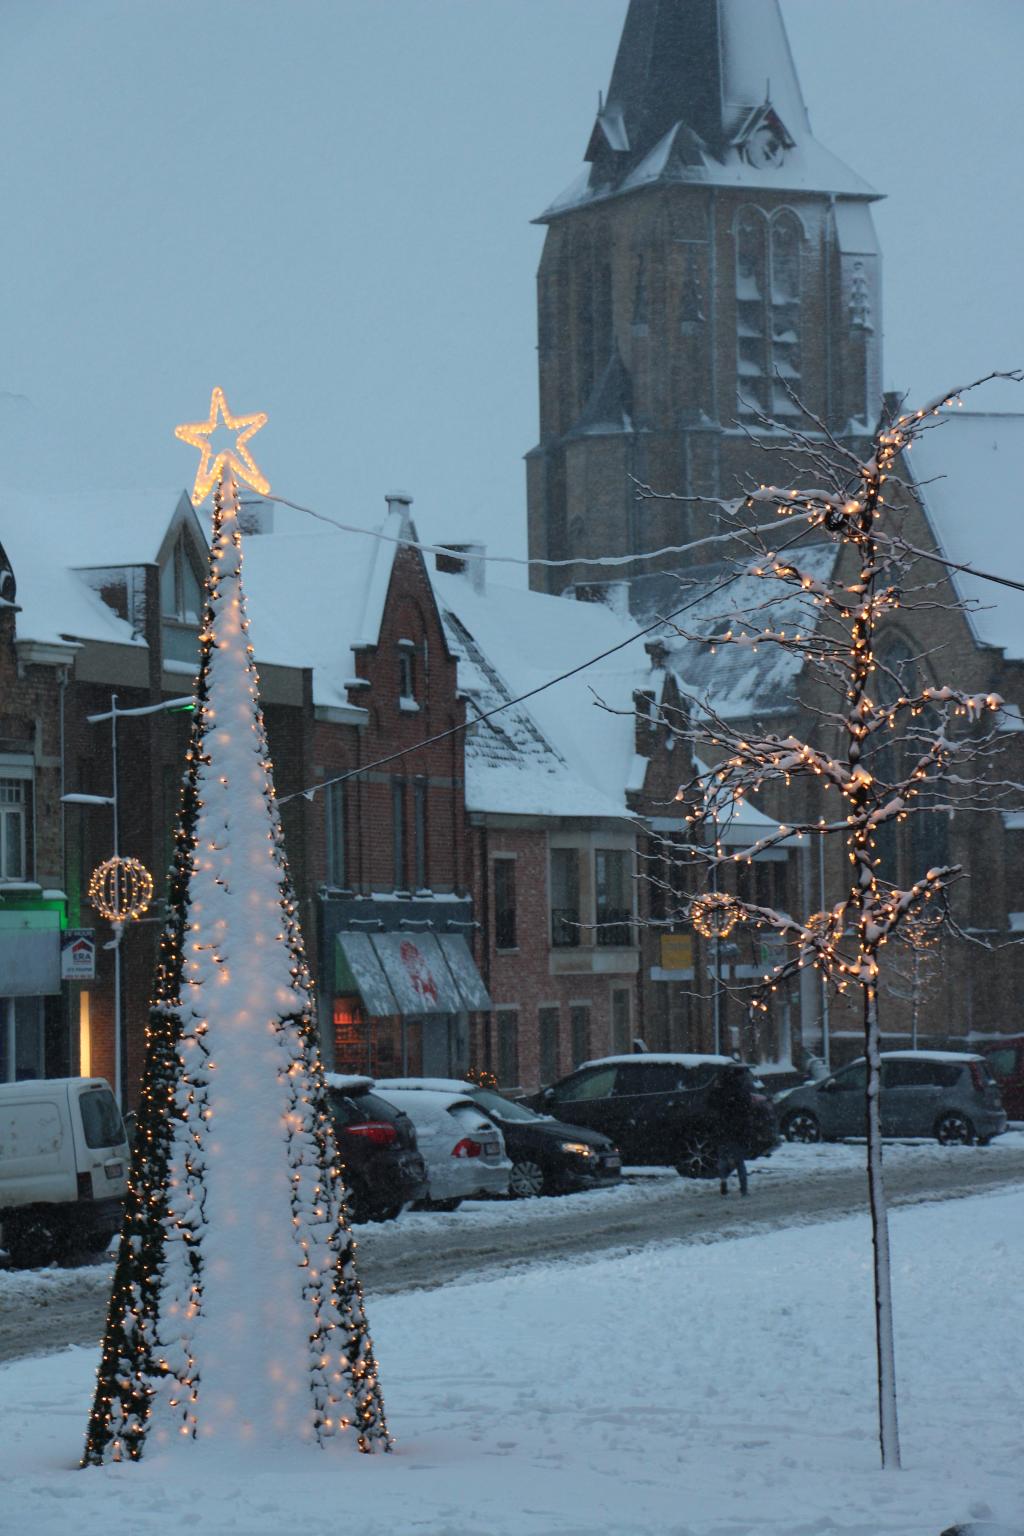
379,1132
467,1147
84,1182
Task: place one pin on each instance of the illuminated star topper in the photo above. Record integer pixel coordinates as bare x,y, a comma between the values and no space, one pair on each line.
198,433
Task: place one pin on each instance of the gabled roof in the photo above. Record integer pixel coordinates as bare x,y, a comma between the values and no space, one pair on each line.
739,681
693,81
49,538
968,474
314,598
560,753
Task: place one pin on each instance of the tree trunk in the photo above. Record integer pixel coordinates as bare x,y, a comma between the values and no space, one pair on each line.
888,1427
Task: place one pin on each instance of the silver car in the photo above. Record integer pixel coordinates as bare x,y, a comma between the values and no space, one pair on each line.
950,1095
463,1149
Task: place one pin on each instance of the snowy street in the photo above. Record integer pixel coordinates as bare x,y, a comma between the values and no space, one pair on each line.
48,1309
684,1390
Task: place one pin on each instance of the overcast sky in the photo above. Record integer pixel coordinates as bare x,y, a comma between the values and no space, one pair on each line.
324,206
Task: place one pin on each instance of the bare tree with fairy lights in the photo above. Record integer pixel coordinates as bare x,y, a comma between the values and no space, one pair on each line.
236,1317
836,557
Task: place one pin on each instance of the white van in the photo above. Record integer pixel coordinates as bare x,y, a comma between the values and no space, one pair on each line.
63,1168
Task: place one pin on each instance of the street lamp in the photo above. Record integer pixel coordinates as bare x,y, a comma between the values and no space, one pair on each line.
120,889
714,916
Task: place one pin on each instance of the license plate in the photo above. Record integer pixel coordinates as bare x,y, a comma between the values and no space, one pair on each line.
491,1149
612,1161
114,1170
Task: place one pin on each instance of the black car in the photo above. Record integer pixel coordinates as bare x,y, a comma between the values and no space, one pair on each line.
548,1157
654,1107
377,1146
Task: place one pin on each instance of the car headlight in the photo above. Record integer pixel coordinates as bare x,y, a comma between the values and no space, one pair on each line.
577,1148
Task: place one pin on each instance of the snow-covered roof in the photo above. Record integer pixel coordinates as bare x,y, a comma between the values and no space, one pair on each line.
968,473
50,537
100,529
691,89
741,681
671,1058
314,597
56,604
560,753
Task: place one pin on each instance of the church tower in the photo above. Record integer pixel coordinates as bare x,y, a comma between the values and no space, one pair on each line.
711,253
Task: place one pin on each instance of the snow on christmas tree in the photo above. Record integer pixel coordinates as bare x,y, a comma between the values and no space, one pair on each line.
236,1317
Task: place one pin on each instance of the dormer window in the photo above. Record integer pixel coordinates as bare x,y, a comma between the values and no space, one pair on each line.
181,605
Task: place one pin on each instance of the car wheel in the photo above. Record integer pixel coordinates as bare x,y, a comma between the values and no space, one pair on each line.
953,1129
801,1125
697,1157
526,1180
33,1243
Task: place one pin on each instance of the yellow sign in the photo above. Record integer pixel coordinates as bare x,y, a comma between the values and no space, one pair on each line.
198,433
676,952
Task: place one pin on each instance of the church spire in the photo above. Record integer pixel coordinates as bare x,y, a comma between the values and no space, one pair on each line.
705,91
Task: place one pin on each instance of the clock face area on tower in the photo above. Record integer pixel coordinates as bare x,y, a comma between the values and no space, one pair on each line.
765,146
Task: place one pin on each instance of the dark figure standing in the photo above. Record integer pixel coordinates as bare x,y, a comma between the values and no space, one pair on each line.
732,1111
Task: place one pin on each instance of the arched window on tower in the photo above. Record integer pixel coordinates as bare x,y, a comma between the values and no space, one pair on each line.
751,291
768,287
785,311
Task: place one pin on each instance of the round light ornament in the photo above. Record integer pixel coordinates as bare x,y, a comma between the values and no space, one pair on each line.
714,916
121,889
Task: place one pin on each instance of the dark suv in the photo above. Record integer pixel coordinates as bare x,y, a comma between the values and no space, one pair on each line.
377,1145
654,1107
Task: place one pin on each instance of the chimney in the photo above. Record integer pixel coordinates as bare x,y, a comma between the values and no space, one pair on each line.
468,560
645,721
400,502
255,515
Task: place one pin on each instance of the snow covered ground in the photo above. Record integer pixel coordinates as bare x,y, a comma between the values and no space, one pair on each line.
694,1390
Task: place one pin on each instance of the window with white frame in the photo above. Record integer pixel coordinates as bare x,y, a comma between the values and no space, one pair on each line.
181,604
406,672
13,831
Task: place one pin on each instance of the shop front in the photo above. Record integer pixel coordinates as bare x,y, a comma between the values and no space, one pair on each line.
401,1003
33,1033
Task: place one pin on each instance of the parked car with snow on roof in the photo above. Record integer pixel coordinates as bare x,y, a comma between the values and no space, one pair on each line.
548,1157
950,1095
383,1167
463,1148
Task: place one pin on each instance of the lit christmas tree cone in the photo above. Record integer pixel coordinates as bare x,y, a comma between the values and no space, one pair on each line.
236,1317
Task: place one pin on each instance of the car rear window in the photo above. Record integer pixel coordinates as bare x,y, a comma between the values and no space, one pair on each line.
1001,1063
376,1108
651,1077
353,1108
470,1118
101,1119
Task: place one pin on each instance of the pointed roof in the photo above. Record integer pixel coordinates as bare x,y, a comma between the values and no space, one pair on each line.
705,91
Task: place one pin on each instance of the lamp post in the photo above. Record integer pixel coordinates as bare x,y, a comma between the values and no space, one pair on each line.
121,889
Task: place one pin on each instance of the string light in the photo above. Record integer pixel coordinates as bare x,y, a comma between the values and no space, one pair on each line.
121,889
238,460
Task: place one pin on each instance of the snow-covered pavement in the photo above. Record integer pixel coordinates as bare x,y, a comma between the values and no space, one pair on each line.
684,1390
